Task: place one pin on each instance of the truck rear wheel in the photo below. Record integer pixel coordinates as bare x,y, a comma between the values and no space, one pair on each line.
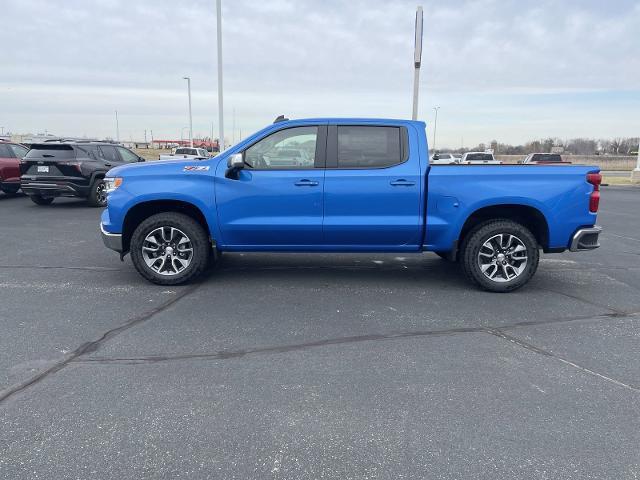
500,255
170,248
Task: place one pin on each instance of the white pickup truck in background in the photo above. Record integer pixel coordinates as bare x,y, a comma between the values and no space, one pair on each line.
190,153
479,158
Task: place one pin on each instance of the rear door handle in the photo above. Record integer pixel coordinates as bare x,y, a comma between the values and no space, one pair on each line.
306,183
401,182
107,164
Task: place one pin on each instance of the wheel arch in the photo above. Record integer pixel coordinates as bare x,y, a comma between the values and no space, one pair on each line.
143,210
527,215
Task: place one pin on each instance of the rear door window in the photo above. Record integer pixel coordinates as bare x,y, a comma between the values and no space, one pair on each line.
88,151
109,153
369,146
5,151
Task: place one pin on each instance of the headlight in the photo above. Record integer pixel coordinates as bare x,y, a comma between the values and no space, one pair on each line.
111,183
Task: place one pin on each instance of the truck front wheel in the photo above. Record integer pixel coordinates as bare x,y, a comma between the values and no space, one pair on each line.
170,248
500,255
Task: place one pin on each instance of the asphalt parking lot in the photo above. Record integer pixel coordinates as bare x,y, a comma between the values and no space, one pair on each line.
314,366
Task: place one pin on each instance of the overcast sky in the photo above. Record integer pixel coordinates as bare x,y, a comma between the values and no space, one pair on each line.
505,70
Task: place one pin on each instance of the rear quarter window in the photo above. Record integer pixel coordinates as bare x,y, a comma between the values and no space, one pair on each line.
549,158
369,146
480,156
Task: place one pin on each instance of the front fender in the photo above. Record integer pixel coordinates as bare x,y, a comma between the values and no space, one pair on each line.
197,190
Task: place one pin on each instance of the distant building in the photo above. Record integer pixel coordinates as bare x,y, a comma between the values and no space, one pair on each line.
134,144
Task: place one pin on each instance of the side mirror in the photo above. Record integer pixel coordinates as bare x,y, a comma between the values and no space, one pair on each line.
141,159
235,163
436,156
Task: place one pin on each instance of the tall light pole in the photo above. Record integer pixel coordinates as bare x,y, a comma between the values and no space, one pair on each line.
220,101
635,174
435,126
417,60
117,128
182,134
188,79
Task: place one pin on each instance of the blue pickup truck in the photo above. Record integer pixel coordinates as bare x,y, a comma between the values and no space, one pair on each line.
348,185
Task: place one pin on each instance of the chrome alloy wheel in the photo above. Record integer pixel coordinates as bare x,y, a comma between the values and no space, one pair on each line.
502,257
167,250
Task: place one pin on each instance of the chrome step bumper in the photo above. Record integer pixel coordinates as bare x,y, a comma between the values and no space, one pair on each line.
585,239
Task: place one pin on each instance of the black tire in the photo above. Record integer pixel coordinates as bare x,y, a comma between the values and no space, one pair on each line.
197,235
474,241
11,189
97,195
38,200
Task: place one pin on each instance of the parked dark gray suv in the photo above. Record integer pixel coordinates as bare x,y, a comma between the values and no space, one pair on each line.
68,169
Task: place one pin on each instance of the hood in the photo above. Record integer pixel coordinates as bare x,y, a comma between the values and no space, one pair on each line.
161,167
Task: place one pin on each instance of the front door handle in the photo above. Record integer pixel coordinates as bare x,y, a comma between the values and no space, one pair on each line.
401,182
306,183
107,164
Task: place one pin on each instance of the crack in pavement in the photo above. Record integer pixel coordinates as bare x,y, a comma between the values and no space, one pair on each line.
495,331
585,300
541,351
94,345
89,347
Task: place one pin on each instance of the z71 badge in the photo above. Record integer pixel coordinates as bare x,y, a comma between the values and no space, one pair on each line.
196,168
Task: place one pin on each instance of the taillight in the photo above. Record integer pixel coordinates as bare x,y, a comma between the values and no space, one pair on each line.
594,179
75,165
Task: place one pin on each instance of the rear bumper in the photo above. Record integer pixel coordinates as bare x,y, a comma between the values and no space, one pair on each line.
53,188
111,240
585,239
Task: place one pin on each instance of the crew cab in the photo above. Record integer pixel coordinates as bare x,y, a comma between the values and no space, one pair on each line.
186,152
10,155
368,186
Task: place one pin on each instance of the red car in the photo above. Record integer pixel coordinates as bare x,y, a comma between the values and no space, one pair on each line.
10,156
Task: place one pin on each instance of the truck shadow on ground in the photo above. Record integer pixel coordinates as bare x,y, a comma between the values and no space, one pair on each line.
386,270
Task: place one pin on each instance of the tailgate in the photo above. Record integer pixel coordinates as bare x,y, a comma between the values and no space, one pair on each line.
53,160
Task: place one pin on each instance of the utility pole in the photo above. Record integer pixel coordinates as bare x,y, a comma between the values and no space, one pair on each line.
417,60
117,128
435,126
220,101
188,79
